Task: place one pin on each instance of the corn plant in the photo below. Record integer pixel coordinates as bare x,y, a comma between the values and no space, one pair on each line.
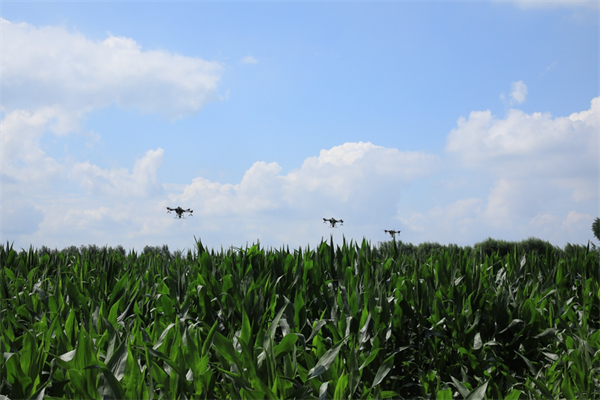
340,321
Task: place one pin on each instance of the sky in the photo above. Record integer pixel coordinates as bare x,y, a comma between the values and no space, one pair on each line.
452,122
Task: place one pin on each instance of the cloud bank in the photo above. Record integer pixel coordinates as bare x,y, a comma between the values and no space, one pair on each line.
520,174
48,66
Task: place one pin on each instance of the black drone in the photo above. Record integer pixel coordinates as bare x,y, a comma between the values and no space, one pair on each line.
180,212
393,233
333,221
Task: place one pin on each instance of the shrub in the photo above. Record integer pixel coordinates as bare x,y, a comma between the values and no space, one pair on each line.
490,246
596,228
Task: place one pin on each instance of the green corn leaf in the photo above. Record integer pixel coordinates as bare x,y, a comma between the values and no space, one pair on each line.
39,395
316,329
340,387
118,361
513,395
78,382
114,310
270,336
445,394
369,359
477,343
529,364
162,337
225,347
172,364
464,392
323,390
286,345
551,332
246,334
29,356
566,387
135,377
209,338
383,370
113,383
252,394
478,393
545,391
325,362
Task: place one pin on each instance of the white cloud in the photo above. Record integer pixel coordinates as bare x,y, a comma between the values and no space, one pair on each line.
22,159
518,92
249,60
143,181
533,145
537,167
349,176
542,170
50,65
577,222
453,222
51,78
512,201
359,182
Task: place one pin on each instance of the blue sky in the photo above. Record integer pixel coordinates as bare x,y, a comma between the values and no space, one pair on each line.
450,121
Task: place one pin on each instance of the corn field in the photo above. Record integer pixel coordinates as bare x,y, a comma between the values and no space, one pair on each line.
340,321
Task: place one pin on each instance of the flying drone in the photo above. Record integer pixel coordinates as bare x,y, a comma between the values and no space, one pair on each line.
333,221
180,212
393,233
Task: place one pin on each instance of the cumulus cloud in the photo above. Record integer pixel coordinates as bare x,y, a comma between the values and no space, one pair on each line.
360,182
518,92
532,144
23,161
576,222
50,65
538,166
453,222
344,180
541,171
143,181
52,77
349,175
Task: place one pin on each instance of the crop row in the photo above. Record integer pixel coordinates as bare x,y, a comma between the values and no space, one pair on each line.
338,321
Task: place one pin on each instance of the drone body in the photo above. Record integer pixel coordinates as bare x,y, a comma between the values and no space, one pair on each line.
333,221
180,212
393,233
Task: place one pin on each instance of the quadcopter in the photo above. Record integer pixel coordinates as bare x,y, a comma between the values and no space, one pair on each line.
393,233
333,221
180,212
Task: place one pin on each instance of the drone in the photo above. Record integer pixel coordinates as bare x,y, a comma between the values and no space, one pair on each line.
180,212
333,221
393,233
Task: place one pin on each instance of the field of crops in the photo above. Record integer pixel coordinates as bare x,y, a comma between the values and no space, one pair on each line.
341,321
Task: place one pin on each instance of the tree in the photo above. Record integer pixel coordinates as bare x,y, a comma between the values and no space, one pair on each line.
596,228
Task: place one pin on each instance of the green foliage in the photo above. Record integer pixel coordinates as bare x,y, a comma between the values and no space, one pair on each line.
535,245
337,321
493,246
157,250
502,247
596,228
